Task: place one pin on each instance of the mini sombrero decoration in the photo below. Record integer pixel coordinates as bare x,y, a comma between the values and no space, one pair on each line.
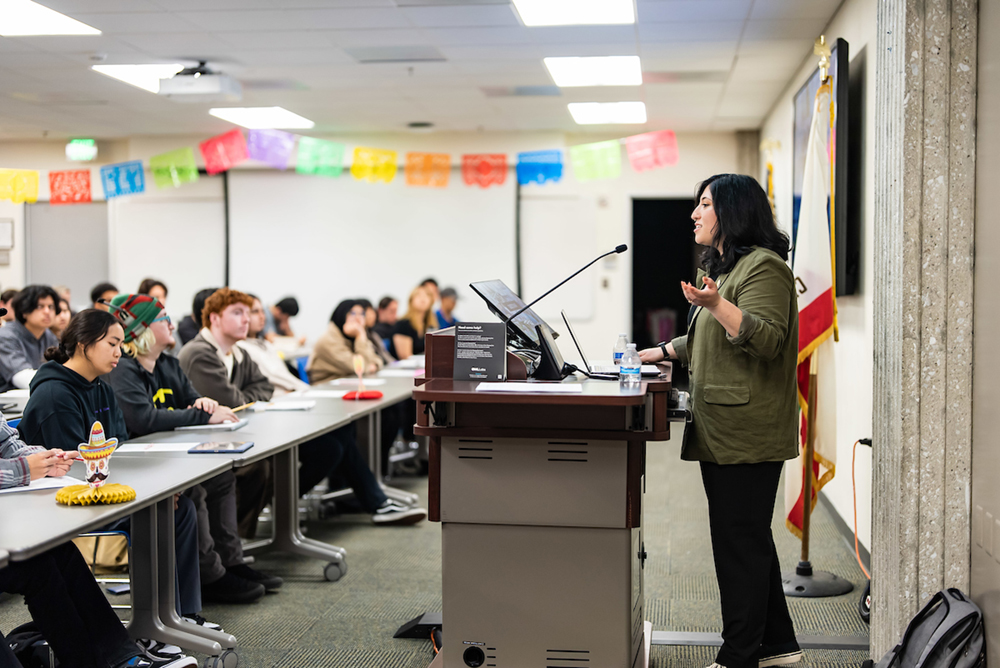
96,454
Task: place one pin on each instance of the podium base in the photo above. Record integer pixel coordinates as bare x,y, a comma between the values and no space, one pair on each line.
807,583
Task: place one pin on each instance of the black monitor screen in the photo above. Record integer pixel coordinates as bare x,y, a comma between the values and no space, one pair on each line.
504,303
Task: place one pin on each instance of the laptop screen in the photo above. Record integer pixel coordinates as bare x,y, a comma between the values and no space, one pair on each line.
572,335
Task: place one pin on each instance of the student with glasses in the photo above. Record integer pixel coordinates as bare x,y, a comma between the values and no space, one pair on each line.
156,395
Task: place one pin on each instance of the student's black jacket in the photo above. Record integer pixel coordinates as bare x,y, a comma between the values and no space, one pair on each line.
64,406
155,401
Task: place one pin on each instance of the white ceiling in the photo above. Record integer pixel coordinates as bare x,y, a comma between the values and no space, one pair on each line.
708,64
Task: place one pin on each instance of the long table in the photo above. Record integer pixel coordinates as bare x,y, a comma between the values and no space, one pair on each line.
33,522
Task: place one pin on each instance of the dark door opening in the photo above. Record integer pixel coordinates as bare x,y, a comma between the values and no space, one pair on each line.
664,254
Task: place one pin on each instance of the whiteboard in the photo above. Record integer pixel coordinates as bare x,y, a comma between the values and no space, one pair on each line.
327,239
558,236
175,235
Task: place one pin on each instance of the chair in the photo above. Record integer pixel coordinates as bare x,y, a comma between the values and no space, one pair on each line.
300,365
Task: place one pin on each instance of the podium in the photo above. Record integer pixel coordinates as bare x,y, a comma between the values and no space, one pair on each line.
540,500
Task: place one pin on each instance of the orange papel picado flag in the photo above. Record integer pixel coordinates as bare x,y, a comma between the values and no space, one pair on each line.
815,282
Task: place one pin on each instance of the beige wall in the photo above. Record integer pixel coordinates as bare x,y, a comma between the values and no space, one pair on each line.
854,22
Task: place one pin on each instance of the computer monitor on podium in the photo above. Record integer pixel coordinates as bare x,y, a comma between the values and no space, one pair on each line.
503,302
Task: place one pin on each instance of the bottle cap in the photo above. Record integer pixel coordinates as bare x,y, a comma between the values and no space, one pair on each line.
631,345
623,334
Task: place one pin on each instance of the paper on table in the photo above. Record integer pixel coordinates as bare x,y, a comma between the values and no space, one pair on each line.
155,447
530,387
353,382
325,394
412,362
14,394
283,406
398,373
44,483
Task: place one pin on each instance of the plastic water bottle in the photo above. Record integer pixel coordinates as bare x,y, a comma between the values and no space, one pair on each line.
620,347
630,370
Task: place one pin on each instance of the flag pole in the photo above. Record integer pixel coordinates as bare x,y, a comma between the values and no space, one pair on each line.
805,582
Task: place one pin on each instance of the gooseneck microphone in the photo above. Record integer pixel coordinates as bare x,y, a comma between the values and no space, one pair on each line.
618,249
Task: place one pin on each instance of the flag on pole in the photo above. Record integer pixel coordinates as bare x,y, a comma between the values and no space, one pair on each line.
815,282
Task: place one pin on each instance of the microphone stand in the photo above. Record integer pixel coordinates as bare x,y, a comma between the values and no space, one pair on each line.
546,367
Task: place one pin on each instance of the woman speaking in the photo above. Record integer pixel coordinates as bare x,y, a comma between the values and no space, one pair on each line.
741,350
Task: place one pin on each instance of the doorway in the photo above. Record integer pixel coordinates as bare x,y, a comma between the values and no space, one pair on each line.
67,245
664,254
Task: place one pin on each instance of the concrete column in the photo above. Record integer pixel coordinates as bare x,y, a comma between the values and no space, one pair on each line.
925,124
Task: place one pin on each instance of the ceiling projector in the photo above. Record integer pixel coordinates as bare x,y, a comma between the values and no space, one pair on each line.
200,84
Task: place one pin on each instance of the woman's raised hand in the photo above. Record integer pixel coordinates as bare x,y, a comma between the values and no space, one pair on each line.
706,297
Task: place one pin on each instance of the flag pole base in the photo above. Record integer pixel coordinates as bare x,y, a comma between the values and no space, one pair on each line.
807,583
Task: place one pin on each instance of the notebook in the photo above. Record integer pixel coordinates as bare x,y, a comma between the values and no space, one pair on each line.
222,426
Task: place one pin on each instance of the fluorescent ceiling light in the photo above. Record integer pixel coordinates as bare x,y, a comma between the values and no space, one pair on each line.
23,17
262,118
599,113
574,12
595,71
146,77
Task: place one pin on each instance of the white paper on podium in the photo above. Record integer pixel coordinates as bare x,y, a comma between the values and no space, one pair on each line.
548,388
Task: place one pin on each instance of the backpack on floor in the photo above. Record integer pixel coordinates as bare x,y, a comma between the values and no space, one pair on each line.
947,633
30,647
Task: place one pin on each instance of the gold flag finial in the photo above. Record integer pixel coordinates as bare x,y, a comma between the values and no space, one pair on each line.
822,49
768,146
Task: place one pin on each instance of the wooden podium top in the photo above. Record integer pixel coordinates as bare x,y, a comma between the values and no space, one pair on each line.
594,393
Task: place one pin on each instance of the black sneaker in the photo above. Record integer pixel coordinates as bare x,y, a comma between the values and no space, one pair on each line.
778,655
201,621
146,662
231,588
393,513
270,582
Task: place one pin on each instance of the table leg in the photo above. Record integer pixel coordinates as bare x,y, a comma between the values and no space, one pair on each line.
375,461
167,564
287,535
146,588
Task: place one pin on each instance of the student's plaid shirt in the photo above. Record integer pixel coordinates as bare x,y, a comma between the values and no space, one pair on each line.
14,469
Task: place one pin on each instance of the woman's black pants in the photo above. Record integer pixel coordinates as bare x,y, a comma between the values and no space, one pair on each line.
740,507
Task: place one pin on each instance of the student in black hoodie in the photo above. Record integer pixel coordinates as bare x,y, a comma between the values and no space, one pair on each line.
156,395
68,396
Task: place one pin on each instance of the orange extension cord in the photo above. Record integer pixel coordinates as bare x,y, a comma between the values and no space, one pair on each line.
854,490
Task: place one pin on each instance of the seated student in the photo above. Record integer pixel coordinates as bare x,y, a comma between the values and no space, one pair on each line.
62,596
445,314
154,288
385,324
24,341
155,395
431,286
266,355
68,396
371,320
345,337
102,294
279,320
190,325
61,318
6,301
219,368
408,339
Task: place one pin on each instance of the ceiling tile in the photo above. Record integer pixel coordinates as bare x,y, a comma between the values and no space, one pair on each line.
247,40
764,68
389,37
74,7
783,28
794,9
692,10
136,22
478,36
289,57
298,19
690,31
462,16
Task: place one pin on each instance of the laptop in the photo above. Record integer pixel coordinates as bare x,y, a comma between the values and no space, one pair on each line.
604,369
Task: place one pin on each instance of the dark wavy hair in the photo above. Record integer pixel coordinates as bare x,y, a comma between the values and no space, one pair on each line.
744,218
85,328
26,301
